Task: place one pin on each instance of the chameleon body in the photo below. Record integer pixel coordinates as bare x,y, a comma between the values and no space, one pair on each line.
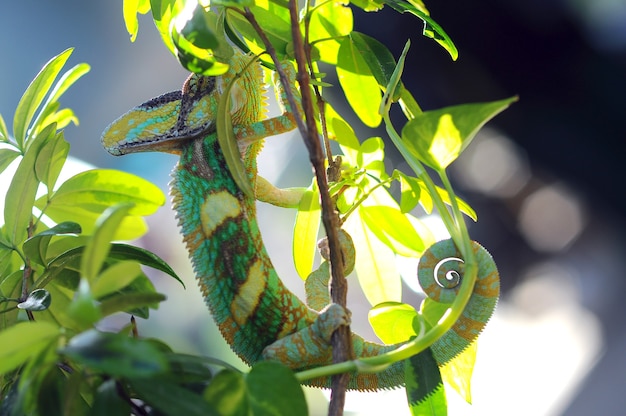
257,315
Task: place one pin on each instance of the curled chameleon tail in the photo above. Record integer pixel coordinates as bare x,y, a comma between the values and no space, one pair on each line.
257,315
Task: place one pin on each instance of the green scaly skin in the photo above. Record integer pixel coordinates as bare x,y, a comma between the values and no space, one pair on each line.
257,315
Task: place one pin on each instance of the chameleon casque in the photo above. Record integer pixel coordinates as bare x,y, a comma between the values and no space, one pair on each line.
257,315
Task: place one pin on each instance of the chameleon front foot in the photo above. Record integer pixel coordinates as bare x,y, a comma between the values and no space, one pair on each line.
309,346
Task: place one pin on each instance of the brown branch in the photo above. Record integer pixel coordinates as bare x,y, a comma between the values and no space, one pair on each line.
341,341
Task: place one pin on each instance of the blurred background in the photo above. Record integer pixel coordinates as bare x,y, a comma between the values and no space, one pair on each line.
544,178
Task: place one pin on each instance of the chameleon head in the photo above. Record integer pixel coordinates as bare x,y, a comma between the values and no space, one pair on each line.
165,123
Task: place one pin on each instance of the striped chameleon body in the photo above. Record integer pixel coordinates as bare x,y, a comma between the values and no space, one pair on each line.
257,315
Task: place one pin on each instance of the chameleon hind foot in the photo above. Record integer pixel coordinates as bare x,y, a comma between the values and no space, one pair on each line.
309,346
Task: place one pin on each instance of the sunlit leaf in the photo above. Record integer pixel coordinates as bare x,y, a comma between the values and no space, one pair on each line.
437,137
393,228
34,95
20,196
130,9
329,22
277,29
7,156
306,231
163,11
97,189
23,341
393,322
458,372
375,263
409,192
51,159
359,85
378,58
424,388
4,133
36,247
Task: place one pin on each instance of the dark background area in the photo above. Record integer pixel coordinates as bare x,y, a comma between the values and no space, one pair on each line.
566,60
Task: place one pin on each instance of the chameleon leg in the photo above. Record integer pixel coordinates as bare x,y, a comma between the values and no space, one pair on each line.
309,346
317,283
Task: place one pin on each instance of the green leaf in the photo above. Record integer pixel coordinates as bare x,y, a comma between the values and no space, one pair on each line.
163,11
130,302
107,400
393,228
98,247
23,341
424,388
115,277
227,393
409,191
379,60
375,266
36,247
20,196
276,28
458,372
438,137
274,390
171,399
51,159
143,256
34,95
130,9
393,322
116,355
132,226
4,133
431,28
359,85
328,23
195,36
83,309
37,300
97,189
306,231
6,157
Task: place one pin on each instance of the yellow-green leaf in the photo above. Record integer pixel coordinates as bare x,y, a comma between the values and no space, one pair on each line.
99,245
394,229
95,190
393,321
23,341
306,231
115,277
375,263
458,372
438,137
359,85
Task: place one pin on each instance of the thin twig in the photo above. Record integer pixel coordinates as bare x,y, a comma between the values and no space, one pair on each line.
341,341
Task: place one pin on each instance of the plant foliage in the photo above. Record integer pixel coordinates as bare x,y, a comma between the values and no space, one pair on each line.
63,269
